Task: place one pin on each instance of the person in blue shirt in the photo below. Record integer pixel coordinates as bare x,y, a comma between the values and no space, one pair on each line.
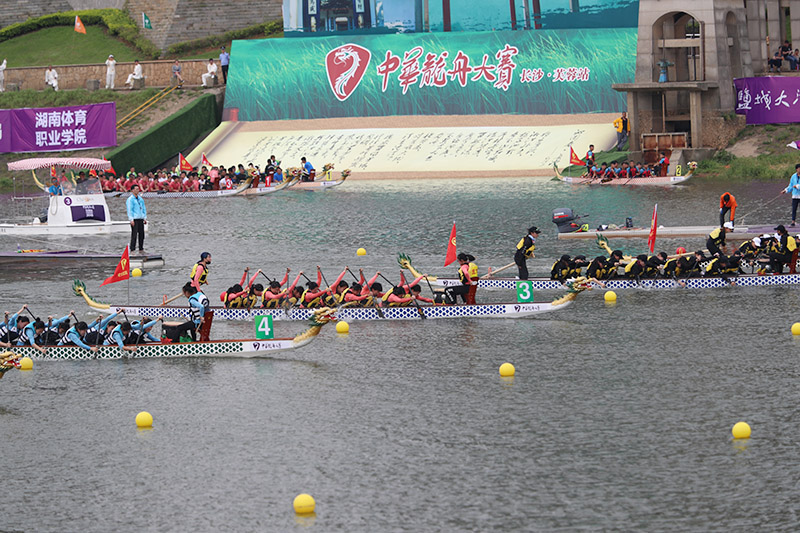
141,333
198,306
74,337
8,327
55,188
277,177
224,61
118,336
794,188
28,331
307,169
99,330
50,336
137,214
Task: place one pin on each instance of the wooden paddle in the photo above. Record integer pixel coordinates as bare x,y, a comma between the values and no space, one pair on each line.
490,274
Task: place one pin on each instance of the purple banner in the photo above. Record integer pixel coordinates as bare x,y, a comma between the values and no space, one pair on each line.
768,100
84,212
57,129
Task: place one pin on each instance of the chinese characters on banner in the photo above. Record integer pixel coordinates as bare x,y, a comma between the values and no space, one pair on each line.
769,100
433,70
58,129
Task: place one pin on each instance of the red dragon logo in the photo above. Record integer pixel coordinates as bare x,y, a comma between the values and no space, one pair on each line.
346,66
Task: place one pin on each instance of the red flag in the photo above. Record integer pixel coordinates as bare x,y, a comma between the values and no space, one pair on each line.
451,247
574,159
53,171
79,27
651,240
205,161
184,164
122,271
110,169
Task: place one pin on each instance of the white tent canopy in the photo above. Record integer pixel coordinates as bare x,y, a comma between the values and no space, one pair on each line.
69,162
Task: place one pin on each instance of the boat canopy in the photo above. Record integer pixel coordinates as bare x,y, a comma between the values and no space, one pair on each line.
68,162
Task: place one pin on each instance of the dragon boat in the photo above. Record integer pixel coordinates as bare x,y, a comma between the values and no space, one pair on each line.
654,180
541,284
412,312
221,193
244,348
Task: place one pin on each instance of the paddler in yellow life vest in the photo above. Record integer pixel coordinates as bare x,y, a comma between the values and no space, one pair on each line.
576,266
635,269
786,248
242,294
199,275
561,268
274,296
468,275
716,240
597,269
525,248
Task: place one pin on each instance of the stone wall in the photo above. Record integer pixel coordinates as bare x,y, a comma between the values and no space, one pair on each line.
718,128
157,74
175,21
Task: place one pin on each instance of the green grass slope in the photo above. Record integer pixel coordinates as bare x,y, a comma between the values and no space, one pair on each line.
62,45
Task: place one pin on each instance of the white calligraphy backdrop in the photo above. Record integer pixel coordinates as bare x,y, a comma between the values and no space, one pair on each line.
416,151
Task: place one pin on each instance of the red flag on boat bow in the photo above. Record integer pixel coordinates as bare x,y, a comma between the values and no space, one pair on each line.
451,247
122,272
651,240
574,159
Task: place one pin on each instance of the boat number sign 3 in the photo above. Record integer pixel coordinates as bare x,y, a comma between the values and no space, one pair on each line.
524,291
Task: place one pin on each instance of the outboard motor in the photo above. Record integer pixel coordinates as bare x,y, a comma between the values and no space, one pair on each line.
564,219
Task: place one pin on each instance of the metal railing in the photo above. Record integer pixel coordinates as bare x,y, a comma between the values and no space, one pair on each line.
145,106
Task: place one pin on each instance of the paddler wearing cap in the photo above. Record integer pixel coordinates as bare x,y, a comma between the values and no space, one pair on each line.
786,247
525,248
199,275
716,240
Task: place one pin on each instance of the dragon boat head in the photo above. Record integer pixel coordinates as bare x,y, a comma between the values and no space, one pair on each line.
404,261
78,287
579,284
327,167
345,173
322,316
692,165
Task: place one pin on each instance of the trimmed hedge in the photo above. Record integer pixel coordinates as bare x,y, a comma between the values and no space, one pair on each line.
168,137
117,22
267,28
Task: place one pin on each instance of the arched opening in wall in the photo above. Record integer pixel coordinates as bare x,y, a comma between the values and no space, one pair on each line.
734,47
678,48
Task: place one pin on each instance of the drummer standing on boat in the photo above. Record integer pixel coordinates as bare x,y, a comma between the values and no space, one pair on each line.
199,273
137,214
525,248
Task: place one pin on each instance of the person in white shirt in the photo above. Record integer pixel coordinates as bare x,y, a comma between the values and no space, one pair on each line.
51,77
111,71
137,74
212,72
2,76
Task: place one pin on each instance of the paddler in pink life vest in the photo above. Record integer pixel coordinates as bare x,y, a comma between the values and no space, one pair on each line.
359,291
243,294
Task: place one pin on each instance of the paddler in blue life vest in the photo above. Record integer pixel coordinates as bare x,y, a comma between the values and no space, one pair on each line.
525,248
199,275
28,331
198,306
716,240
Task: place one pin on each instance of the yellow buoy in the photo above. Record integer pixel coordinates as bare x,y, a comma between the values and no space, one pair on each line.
796,328
144,420
26,363
741,430
610,296
361,251
507,370
342,327
136,272
304,504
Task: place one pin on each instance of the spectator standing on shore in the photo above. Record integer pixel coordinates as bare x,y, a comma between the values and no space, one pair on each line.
176,72
2,76
136,75
794,188
224,61
212,72
137,214
623,129
51,77
111,71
